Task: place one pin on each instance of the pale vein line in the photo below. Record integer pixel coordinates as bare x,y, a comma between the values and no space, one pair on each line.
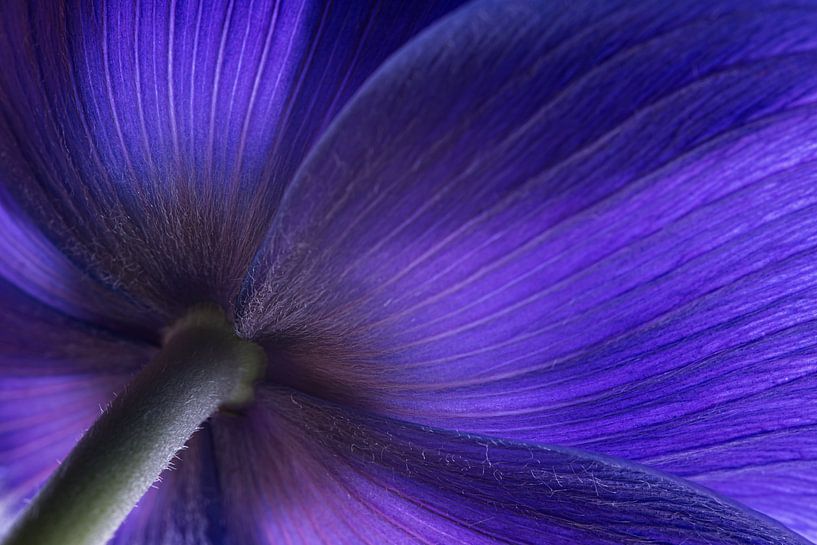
109,91
137,50
215,90
240,65
171,31
193,67
259,72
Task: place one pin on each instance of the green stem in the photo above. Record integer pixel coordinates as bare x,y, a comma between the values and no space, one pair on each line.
201,367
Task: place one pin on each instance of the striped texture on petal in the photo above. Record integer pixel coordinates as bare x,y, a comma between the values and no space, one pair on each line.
33,263
322,474
151,141
596,230
56,374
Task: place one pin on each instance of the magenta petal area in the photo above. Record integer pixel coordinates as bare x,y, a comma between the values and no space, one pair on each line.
595,229
151,141
305,472
56,374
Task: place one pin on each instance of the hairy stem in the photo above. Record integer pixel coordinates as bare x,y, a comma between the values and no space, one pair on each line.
201,367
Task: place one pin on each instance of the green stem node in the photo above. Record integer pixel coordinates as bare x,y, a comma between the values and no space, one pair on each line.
202,366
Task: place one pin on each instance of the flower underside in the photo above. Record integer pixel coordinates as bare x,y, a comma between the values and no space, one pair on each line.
527,271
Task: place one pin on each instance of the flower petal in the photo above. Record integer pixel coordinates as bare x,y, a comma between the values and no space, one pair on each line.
152,140
596,228
32,263
321,474
55,374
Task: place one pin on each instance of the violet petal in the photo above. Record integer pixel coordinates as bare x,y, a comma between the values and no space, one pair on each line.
595,230
151,141
57,373
336,476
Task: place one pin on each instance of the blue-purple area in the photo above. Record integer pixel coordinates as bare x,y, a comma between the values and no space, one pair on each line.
525,272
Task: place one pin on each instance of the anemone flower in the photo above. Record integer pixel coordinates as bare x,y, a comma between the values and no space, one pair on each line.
506,272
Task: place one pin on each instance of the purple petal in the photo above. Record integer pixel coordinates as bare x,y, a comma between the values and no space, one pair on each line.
55,375
593,229
32,263
321,474
152,140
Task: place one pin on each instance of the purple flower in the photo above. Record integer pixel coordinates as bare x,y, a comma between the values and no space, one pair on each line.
523,272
